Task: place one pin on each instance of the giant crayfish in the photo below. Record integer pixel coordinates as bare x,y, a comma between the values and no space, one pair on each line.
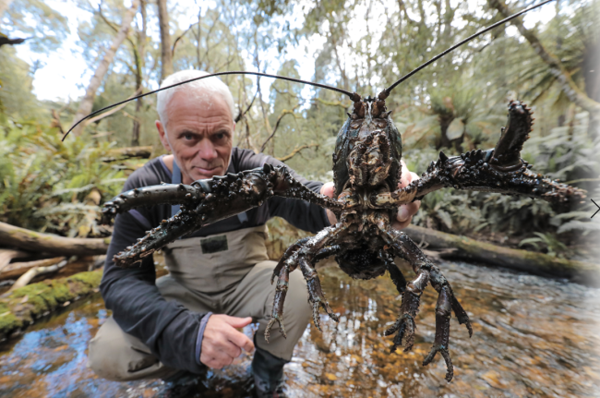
366,166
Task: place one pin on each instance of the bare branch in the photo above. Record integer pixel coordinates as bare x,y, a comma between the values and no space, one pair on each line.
110,112
181,37
241,115
281,116
568,86
297,151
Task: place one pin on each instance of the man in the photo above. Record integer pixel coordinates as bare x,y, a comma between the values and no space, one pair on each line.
219,277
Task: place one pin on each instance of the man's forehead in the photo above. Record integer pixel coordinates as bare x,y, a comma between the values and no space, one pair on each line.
204,104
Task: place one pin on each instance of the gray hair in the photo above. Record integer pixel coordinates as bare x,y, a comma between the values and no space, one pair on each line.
199,90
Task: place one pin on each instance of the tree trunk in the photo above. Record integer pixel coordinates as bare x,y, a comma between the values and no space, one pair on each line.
166,57
445,120
140,54
35,241
88,100
567,85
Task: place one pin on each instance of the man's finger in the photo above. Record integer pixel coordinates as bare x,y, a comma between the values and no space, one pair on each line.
328,189
237,322
401,225
240,340
403,214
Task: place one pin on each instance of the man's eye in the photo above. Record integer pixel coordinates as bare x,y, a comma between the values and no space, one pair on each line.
188,136
220,136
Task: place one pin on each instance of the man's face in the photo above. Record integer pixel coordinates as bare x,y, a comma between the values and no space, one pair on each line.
200,135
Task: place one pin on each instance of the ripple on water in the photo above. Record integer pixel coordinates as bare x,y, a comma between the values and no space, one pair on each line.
533,337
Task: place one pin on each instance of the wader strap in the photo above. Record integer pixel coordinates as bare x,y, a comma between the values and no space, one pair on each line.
175,179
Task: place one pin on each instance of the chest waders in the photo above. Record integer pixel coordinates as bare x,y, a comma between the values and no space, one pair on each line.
228,273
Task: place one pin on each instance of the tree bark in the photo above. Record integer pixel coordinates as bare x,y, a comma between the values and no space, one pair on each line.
568,86
88,100
15,270
166,56
140,54
6,255
35,241
35,271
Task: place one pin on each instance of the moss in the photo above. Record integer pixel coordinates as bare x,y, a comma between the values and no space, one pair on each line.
92,278
17,312
60,291
8,323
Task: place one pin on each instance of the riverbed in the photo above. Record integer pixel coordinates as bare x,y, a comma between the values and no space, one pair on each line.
533,336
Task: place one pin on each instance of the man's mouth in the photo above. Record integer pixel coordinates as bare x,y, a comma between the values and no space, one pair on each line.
206,170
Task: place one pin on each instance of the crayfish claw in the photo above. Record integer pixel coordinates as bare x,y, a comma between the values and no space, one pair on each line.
444,352
405,328
270,325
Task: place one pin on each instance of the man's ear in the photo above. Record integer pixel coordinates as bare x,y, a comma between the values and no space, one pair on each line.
163,135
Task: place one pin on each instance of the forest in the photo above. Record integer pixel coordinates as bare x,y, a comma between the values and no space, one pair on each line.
458,104
549,59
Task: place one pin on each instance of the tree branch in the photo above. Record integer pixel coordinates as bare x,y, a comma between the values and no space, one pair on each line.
568,86
283,113
297,151
36,241
88,100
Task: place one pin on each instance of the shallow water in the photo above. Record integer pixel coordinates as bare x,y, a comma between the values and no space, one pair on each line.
533,337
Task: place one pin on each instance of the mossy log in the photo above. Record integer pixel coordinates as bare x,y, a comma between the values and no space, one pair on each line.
24,305
521,260
35,242
143,152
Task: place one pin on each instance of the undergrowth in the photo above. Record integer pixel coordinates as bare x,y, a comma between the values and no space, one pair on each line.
567,154
54,186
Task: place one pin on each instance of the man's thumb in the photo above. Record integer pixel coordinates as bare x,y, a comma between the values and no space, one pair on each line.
237,322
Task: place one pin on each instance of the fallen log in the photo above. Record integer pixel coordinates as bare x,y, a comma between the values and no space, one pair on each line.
143,152
35,241
520,260
15,270
33,272
24,305
6,255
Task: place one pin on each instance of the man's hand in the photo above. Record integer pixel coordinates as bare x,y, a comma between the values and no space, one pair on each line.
405,212
222,343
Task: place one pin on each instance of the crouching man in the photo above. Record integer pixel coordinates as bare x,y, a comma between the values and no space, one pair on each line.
219,276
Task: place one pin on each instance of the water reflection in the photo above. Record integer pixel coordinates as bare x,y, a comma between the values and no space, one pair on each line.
533,337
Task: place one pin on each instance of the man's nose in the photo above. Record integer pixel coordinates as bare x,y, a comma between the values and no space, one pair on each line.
207,151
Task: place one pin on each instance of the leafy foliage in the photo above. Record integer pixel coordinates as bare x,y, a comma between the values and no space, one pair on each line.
54,186
457,104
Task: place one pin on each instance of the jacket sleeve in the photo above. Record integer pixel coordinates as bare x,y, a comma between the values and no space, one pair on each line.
168,329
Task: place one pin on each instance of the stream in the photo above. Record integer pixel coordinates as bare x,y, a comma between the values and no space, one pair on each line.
532,337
